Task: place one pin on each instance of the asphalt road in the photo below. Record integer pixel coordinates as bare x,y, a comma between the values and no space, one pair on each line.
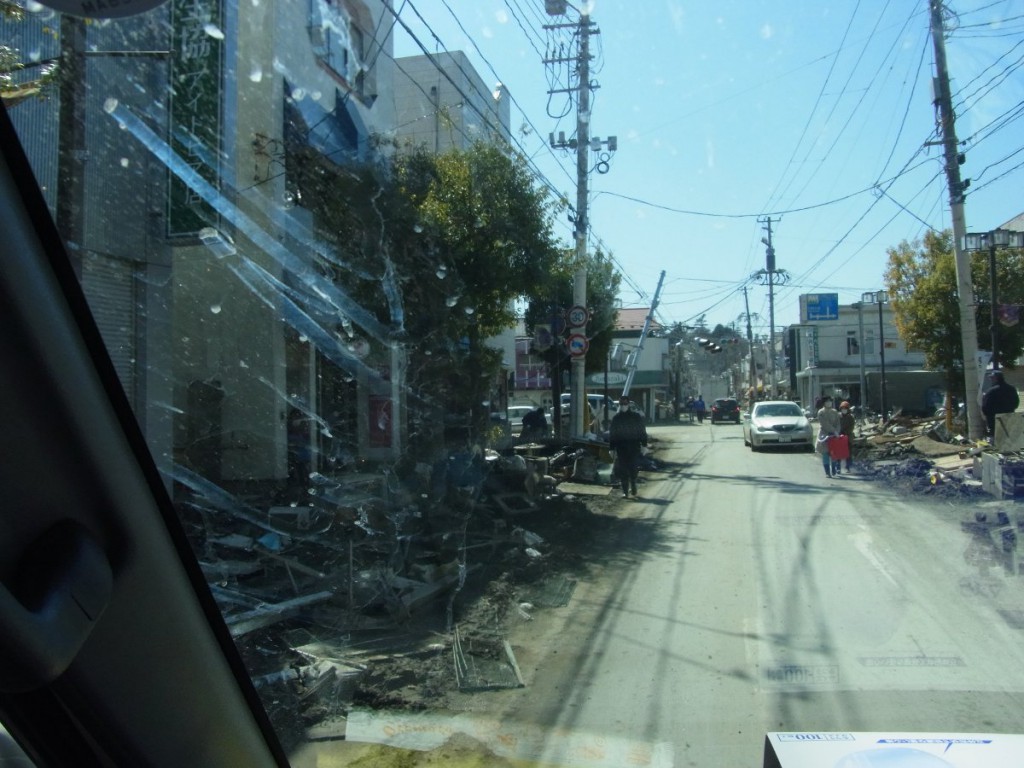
767,597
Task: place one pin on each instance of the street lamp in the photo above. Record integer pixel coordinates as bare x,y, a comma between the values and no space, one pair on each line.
979,241
860,344
879,298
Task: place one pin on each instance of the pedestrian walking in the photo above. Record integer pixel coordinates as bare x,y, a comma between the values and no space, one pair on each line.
828,427
699,408
627,436
1001,397
846,425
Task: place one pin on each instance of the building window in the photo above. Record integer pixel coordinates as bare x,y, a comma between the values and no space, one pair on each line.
869,342
852,345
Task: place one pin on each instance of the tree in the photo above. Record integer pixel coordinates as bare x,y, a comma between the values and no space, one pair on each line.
14,88
921,280
438,247
556,296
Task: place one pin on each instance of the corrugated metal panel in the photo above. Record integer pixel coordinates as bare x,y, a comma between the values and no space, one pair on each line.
109,285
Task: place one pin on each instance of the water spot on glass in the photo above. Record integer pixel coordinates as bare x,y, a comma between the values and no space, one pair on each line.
451,301
469,310
35,55
256,73
298,94
33,7
185,339
242,364
303,338
215,308
311,491
288,198
316,95
125,162
110,105
213,31
427,352
417,228
442,273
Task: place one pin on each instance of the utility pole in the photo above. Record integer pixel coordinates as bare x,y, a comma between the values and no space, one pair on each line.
582,143
773,276
965,289
750,345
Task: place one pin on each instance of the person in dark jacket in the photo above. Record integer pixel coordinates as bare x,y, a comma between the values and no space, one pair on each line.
846,427
1001,397
627,435
535,425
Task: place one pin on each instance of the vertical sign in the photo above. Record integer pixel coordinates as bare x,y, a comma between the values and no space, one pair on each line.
195,124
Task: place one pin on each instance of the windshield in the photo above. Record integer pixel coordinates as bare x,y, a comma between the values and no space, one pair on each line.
340,251
778,409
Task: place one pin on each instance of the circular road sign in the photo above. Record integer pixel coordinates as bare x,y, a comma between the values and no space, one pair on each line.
578,316
577,344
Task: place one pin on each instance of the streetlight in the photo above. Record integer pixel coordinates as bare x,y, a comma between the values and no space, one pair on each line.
860,344
979,241
879,298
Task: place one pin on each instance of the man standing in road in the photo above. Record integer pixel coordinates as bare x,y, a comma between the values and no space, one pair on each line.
1001,397
626,437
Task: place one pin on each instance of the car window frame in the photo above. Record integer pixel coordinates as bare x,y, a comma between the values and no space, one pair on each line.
157,680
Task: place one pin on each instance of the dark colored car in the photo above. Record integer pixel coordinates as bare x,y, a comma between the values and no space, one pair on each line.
725,409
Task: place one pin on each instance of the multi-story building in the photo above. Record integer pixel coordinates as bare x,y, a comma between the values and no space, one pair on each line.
443,103
837,350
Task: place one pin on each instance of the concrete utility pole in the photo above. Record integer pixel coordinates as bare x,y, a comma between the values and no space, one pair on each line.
579,283
773,276
965,289
582,143
750,343
634,356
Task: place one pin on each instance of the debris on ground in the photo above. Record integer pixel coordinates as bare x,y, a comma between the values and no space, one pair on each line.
327,593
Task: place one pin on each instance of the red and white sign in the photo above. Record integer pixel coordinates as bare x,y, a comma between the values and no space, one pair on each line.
577,345
577,316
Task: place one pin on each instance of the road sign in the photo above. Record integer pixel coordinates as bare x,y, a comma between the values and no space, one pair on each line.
577,345
578,316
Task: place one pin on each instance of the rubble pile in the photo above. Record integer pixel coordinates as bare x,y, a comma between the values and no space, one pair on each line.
326,599
923,455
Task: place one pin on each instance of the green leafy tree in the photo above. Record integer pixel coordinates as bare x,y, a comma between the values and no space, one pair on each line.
16,87
556,296
439,247
921,280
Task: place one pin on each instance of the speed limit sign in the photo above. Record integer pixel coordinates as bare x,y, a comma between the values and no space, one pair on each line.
578,316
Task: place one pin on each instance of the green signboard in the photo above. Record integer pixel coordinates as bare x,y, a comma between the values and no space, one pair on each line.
195,108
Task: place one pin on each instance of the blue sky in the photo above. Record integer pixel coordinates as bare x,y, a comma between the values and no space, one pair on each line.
815,113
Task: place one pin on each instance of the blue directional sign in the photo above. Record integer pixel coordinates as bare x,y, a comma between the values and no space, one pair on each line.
820,306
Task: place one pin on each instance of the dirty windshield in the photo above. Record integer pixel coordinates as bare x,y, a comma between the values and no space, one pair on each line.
374,275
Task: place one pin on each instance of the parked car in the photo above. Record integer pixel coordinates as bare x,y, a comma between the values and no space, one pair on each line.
597,404
725,409
777,423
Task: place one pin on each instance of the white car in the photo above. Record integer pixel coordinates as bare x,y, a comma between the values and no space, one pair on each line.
777,423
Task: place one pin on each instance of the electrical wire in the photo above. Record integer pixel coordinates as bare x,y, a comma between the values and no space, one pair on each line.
814,109
488,119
